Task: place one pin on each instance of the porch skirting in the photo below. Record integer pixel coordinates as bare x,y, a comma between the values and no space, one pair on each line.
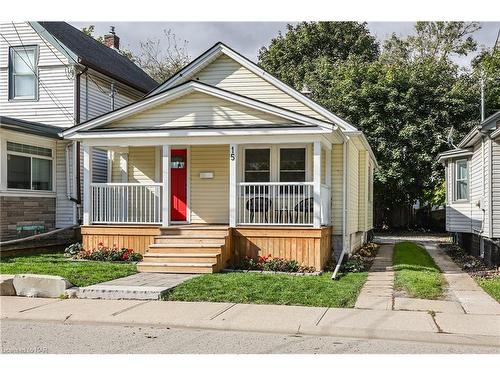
136,237
308,246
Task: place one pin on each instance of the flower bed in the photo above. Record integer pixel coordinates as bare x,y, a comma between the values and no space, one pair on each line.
102,253
360,261
267,263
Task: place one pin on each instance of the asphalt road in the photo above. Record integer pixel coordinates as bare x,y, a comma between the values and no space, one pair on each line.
50,337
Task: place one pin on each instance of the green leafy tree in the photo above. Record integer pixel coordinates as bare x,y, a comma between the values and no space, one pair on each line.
405,101
292,55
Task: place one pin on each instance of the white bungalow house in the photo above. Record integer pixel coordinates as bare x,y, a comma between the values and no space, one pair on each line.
52,77
472,172
224,161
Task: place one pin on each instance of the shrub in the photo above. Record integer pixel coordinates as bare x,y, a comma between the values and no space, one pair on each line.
102,253
267,263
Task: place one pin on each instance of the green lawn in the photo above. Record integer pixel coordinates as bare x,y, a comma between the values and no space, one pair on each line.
491,286
77,272
416,273
271,289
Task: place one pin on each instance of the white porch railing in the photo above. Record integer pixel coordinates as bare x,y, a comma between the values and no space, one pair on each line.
275,203
126,203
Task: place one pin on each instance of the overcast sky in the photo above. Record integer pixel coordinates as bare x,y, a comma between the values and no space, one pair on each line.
247,37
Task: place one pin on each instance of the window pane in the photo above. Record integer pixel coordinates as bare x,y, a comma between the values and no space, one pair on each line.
42,174
27,149
24,86
292,164
18,172
257,165
292,176
24,60
461,170
462,190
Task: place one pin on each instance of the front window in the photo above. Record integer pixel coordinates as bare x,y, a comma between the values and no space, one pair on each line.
23,82
257,165
292,164
461,180
29,167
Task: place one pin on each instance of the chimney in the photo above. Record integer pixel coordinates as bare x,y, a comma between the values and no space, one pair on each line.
111,40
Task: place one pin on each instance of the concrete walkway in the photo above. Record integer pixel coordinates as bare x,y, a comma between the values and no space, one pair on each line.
462,287
293,320
140,286
377,293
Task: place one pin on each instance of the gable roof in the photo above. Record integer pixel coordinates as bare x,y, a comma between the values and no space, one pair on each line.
220,48
36,128
89,52
194,86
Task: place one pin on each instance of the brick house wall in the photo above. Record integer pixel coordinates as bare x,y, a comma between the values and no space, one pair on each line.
25,211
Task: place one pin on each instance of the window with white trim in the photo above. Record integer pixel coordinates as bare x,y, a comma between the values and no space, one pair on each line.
29,167
23,82
292,166
257,165
461,180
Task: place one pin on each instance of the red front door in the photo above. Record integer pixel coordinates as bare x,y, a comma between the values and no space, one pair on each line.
178,170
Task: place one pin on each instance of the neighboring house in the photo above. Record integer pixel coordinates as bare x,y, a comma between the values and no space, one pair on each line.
224,161
472,173
52,77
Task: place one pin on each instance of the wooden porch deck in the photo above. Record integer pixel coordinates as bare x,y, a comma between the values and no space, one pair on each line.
198,248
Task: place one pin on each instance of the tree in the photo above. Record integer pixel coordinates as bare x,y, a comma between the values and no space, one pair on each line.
291,56
487,68
162,61
405,101
159,58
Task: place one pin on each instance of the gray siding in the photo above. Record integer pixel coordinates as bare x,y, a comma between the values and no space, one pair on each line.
55,104
65,208
496,187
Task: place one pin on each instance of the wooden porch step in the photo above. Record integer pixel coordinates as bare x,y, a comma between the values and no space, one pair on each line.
181,257
177,267
184,248
195,231
194,240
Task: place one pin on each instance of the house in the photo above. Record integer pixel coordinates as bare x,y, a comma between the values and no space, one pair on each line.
224,161
52,77
472,172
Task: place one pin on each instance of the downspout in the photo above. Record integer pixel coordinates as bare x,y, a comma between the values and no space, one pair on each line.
344,207
490,216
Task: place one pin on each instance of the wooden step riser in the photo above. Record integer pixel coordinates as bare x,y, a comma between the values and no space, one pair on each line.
177,250
167,259
171,269
193,241
194,232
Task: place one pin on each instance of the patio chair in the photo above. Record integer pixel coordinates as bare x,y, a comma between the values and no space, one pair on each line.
260,205
304,206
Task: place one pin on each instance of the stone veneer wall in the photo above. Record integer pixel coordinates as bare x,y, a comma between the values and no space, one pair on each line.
25,211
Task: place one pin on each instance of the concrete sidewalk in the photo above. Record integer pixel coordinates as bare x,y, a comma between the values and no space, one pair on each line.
357,323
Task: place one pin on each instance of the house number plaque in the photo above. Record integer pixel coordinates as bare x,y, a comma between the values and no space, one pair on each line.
232,154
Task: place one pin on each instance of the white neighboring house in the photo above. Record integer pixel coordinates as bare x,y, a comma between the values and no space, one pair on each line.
472,173
52,77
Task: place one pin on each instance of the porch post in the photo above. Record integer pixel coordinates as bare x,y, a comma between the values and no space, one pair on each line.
328,182
165,205
317,184
233,163
87,180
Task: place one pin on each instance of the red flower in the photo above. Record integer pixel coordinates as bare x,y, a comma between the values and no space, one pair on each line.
125,256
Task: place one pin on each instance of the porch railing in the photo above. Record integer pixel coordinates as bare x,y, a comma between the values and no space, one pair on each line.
275,203
129,203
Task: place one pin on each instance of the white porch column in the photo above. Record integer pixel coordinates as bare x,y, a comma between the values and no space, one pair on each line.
233,164
328,182
317,184
165,165
87,180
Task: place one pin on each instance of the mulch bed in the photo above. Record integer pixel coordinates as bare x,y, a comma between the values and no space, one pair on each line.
470,264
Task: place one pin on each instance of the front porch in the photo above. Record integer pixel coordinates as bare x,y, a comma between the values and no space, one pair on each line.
200,208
